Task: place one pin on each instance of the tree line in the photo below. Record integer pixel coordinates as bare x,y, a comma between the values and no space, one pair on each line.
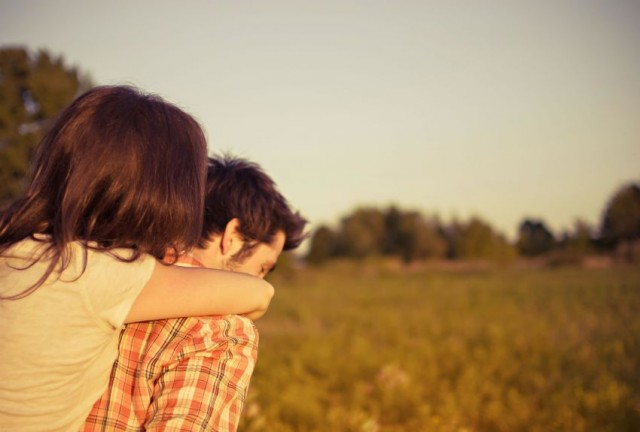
411,236
36,86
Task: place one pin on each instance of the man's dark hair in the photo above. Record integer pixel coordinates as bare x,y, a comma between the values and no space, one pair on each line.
237,188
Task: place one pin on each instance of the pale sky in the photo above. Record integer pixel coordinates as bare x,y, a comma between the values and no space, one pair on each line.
501,109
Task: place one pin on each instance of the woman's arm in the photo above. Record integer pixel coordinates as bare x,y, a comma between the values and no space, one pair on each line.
174,292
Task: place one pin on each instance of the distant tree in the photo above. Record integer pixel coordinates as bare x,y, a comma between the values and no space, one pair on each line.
409,235
34,88
476,239
534,238
572,246
392,217
418,238
452,233
323,245
362,233
621,217
579,240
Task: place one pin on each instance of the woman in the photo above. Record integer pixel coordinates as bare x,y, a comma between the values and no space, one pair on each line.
117,182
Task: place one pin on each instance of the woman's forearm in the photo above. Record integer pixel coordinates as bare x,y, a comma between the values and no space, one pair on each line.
173,292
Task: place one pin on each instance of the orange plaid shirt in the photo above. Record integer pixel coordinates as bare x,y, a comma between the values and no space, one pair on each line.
187,374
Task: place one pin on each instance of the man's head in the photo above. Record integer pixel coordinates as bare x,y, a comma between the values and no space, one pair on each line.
247,222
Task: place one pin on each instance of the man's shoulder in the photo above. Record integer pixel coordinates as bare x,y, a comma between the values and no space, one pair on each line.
189,324
228,328
191,333
171,328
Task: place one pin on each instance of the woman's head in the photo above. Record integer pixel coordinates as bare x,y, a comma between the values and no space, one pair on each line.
118,168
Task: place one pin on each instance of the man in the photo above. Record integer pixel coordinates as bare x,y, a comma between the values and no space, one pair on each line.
192,374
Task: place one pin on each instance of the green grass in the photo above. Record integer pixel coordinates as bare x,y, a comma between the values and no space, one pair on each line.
348,348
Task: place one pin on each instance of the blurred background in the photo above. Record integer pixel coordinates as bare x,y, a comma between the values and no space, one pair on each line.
470,171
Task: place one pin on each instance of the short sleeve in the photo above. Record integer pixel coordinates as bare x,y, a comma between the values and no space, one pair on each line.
113,285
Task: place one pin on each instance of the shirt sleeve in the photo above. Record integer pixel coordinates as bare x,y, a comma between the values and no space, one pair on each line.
112,285
206,389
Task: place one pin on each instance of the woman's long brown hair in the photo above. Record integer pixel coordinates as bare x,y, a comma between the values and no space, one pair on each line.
118,169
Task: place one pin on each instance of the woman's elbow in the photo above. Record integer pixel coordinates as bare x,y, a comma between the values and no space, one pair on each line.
268,295
263,305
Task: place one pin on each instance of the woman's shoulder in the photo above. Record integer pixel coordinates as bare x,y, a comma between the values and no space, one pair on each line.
28,247
79,261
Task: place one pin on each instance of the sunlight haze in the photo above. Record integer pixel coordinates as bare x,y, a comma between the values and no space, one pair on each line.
499,109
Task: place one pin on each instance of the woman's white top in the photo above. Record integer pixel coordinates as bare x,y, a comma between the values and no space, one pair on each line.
58,344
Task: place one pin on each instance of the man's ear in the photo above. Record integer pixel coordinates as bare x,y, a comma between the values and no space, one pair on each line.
231,241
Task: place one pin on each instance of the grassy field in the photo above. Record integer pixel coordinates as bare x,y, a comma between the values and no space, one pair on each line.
352,348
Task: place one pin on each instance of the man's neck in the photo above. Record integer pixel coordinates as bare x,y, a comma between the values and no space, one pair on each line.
184,260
